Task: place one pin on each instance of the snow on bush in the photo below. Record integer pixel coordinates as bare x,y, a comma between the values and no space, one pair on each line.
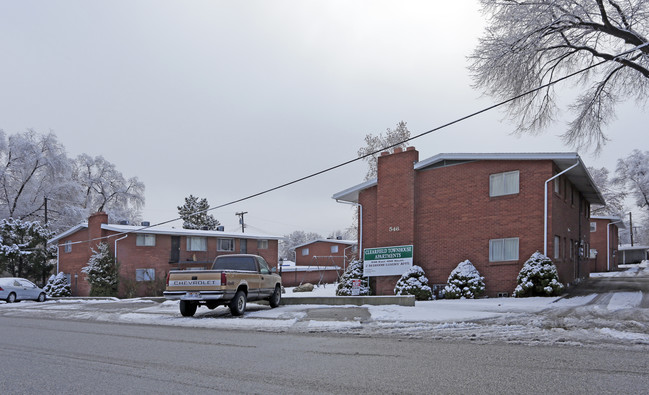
538,277
414,282
464,282
102,272
58,286
354,271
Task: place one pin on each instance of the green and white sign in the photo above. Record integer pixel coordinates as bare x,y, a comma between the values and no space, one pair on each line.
387,261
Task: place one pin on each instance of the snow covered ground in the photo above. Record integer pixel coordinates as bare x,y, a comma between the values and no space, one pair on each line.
611,319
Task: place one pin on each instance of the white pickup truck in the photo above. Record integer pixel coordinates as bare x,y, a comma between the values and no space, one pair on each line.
233,280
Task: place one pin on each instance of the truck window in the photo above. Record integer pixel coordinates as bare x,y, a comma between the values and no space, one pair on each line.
263,266
246,263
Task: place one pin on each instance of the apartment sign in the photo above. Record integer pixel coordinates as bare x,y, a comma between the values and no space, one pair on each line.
387,261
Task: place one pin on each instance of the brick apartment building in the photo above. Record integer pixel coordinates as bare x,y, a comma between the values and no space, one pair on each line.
604,256
325,252
146,256
488,208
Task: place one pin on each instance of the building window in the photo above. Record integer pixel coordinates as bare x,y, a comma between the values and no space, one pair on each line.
196,243
67,246
262,244
557,241
593,226
144,274
557,184
145,240
305,251
504,183
334,249
503,250
225,245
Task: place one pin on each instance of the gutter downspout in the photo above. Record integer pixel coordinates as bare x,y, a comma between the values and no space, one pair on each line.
360,225
545,219
121,238
608,244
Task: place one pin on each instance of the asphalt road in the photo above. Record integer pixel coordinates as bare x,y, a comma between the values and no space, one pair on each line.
63,357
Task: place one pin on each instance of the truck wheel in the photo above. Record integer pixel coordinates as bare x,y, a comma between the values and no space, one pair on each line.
238,303
187,308
276,297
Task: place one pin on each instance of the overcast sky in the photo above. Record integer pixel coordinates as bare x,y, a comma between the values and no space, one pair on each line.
225,99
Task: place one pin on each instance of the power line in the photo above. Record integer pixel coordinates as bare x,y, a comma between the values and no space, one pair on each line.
348,162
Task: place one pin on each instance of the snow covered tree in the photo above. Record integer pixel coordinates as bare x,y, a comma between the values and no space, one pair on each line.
633,173
414,282
531,43
538,277
613,195
295,238
382,142
194,214
58,286
34,167
354,272
464,282
104,188
23,249
102,272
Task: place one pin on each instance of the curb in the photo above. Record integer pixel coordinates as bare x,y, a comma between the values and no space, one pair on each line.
406,300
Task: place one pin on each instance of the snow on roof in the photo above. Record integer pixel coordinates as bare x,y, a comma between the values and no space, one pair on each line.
614,219
629,247
333,241
167,231
579,176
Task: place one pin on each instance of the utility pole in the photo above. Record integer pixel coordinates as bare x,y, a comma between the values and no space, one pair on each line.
631,227
240,214
45,211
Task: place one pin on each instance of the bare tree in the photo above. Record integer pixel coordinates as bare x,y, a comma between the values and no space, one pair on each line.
632,173
393,138
531,43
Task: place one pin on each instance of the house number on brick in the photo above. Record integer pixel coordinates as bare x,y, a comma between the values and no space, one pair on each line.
393,228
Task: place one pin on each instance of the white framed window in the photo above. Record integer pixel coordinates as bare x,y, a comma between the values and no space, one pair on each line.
262,244
67,247
196,243
557,189
557,241
593,226
504,183
144,275
225,245
305,251
503,249
334,249
145,240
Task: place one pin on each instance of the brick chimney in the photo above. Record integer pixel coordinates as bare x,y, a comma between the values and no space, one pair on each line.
94,227
396,198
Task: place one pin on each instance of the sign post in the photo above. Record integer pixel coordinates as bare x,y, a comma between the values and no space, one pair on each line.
387,261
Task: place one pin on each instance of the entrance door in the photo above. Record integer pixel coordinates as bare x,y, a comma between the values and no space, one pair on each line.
174,257
243,246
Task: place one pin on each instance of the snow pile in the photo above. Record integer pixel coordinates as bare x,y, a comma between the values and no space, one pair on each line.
464,282
414,282
538,277
58,286
354,272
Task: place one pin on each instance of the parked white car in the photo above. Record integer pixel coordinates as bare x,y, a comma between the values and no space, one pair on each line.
15,289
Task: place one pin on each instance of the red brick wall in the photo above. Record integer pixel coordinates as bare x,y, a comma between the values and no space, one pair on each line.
598,242
322,250
449,216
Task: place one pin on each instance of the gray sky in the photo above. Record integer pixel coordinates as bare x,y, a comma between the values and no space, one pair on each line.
225,99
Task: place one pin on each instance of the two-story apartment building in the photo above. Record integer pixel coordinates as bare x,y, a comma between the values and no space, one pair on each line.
494,209
146,254
604,242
